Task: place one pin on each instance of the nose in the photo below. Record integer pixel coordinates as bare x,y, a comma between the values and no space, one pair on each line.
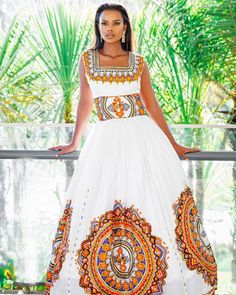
110,26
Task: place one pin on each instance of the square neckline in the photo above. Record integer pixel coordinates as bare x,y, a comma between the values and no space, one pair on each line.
97,63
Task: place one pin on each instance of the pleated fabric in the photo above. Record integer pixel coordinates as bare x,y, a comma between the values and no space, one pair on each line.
129,223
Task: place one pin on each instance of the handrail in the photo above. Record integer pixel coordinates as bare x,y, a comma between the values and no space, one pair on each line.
51,155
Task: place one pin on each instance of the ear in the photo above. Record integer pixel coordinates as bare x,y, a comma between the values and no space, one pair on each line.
125,28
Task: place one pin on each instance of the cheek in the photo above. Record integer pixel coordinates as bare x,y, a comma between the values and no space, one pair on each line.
119,29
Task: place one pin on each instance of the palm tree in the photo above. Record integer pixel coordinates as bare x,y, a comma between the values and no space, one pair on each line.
19,100
62,37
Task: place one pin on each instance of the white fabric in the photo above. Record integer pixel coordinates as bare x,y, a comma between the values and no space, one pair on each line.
131,160
114,88
100,88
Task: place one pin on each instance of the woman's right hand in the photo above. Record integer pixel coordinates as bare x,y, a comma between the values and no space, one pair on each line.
63,149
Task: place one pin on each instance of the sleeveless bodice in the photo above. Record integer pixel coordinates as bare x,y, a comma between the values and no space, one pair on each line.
115,89
110,80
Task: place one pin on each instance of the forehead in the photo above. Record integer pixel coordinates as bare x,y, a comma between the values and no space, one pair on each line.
111,15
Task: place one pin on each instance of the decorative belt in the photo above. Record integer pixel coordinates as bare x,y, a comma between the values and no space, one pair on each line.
122,106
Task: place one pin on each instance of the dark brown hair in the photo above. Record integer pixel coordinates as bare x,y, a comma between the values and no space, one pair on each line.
128,35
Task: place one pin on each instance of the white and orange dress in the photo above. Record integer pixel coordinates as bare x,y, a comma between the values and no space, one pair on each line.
129,223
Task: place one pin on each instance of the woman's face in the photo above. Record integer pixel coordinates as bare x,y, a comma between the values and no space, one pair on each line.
111,26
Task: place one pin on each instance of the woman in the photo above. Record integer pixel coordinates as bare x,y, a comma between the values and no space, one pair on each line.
130,224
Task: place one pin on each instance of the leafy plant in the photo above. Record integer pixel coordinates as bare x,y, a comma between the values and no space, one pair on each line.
61,37
20,96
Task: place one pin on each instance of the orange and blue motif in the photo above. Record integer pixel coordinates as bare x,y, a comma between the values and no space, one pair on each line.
121,255
60,246
115,107
192,240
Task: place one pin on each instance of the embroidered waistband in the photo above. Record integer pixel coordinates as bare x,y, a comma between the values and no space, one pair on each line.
121,106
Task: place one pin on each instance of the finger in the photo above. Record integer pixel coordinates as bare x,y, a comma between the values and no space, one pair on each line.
55,148
193,150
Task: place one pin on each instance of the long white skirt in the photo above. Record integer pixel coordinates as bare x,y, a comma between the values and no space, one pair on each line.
130,224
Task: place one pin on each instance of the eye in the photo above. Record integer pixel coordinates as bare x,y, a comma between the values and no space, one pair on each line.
116,23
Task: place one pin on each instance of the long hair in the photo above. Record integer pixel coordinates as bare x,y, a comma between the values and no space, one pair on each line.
128,46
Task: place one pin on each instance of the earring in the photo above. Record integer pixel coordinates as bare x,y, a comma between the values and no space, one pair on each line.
123,38
101,38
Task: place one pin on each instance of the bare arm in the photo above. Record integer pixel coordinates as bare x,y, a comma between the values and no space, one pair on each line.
84,108
155,112
152,105
85,105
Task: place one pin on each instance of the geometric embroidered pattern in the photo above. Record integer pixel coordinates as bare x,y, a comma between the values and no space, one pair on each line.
121,256
192,240
112,73
114,107
60,247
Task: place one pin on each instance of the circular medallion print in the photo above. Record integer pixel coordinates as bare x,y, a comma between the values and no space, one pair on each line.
60,247
120,256
192,240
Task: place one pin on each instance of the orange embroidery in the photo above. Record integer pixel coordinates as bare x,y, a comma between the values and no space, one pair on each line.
60,247
121,255
113,74
115,107
118,106
192,240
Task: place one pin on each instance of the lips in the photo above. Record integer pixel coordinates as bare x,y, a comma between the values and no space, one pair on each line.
110,35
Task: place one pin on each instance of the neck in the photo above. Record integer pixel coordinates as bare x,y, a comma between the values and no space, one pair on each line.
112,49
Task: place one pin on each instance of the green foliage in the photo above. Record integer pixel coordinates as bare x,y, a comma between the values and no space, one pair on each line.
61,38
186,46
180,56
18,98
7,273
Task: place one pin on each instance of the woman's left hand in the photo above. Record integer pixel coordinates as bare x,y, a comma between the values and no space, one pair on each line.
181,150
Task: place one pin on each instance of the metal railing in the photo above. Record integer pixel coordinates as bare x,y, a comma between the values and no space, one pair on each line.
51,155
